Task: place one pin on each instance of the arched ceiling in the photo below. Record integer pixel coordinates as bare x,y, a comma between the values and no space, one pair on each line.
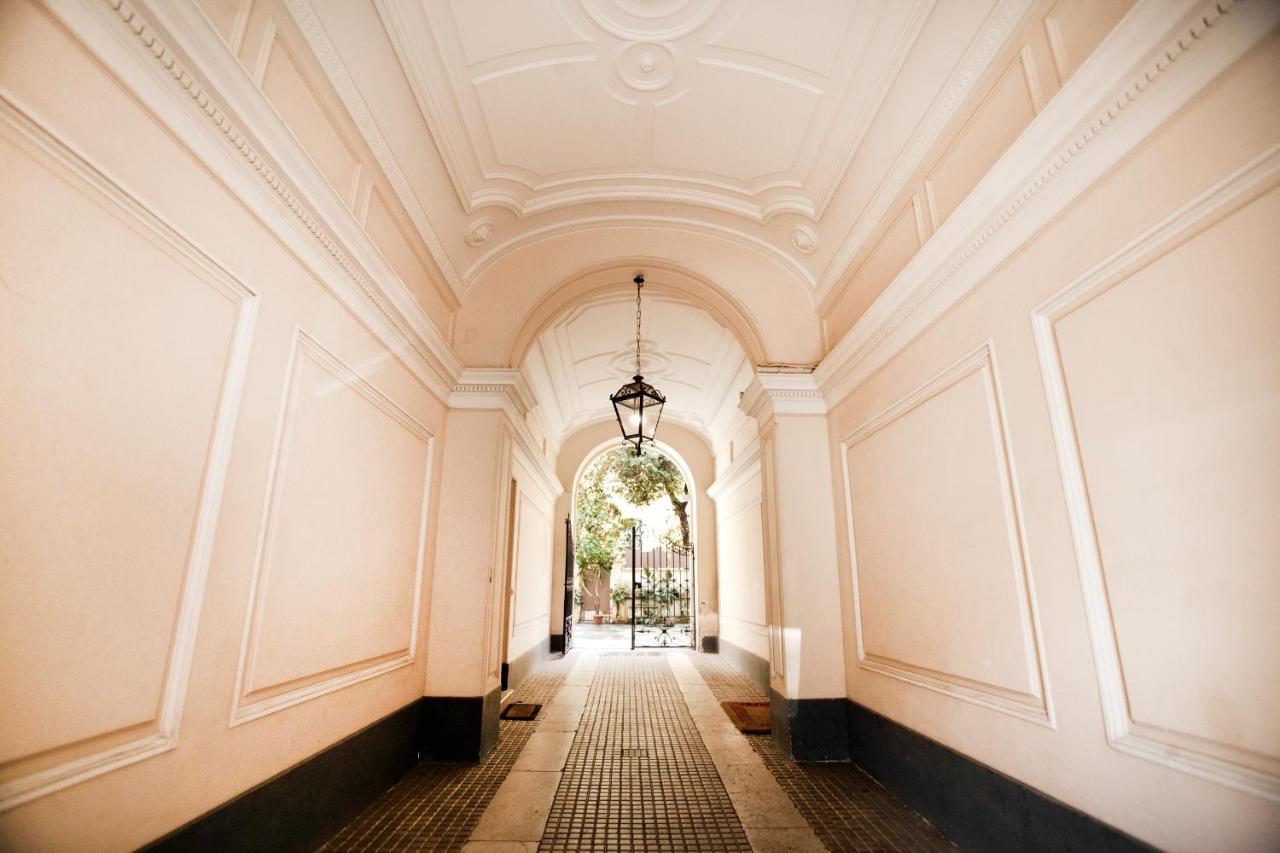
588,351
764,126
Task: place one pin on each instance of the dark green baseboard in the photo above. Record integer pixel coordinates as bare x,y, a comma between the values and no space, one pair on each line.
977,807
307,804
813,730
753,666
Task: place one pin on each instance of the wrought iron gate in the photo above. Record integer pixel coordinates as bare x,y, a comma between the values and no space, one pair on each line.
568,583
662,612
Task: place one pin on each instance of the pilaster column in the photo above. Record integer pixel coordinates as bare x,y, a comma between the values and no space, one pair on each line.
485,430
802,590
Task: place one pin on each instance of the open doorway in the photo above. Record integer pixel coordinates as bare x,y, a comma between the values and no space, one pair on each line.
633,552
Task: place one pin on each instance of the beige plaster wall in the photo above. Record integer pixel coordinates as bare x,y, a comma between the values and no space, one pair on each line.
744,620
1082,452
218,488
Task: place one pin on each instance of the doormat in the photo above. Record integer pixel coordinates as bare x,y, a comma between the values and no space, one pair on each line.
524,711
751,718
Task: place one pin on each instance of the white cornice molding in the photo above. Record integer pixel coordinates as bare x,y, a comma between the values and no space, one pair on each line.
492,388
1003,21
228,125
669,222
322,47
744,467
1156,60
505,390
772,395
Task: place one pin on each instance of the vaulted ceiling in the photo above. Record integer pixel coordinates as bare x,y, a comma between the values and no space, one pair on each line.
769,125
755,145
586,354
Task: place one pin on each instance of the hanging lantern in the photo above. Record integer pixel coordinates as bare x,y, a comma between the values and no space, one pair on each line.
638,405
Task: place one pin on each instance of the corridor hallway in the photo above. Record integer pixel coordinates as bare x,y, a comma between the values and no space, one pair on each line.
632,751
322,323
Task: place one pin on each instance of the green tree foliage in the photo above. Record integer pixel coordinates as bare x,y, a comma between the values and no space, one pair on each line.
649,477
600,526
639,480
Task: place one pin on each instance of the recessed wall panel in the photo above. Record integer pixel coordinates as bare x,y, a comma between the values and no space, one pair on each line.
941,582
1172,374
336,591
121,354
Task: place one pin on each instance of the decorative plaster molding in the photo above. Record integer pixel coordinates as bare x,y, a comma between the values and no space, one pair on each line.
505,390
1034,705
312,29
161,733
645,62
745,466
1003,21
1109,106
772,394
138,54
244,707
671,223
492,388
805,239
479,233
1219,762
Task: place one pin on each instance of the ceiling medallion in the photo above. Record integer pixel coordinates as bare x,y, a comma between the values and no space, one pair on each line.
479,233
804,239
647,66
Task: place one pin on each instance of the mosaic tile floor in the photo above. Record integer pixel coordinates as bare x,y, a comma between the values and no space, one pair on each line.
847,809
436,806
638,776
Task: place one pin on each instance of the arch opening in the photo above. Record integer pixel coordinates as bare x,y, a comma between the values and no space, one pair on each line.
634,522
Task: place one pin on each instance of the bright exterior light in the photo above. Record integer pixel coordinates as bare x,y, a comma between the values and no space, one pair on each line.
638,405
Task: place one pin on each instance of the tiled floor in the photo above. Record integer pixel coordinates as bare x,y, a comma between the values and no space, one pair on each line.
846,808
437,806
638,776
632,752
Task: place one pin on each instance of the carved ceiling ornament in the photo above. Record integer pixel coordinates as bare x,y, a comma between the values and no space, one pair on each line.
622,101
805,239
645,20
646,66
479,233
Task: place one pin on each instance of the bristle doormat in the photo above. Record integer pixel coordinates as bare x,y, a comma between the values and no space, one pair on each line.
751,718
523,711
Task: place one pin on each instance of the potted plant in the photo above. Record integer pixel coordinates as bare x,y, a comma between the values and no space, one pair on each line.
618,595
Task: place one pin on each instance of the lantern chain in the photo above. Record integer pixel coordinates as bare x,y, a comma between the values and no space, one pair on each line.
639,281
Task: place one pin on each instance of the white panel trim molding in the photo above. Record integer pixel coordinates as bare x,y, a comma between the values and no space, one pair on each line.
744,467
161,733
523,503
1002,23
1036,705
1216,761
228,127
312,29
1160,56
244,708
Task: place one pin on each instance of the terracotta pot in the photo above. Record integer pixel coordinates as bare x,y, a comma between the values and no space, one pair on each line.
598,619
